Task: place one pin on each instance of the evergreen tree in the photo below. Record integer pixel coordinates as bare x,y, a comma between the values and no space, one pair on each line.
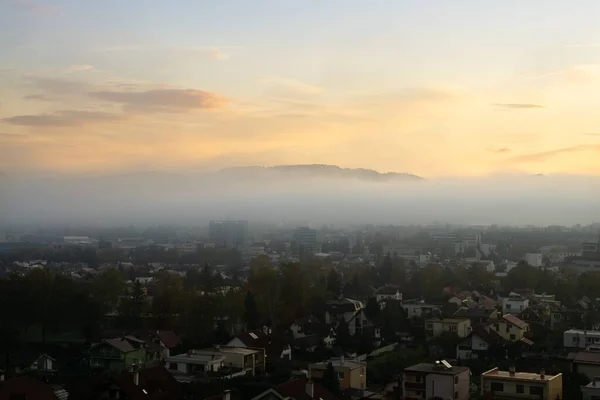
334,283
342,336
330,380
251,314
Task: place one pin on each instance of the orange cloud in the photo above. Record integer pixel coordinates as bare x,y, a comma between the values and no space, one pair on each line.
167,100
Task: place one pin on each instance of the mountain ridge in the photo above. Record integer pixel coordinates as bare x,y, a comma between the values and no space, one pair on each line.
325,171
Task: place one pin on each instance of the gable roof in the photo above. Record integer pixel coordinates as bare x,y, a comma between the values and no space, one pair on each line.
256,338
488,336
515,321
124,344
474,312
297,389
387,289
29,387
169,339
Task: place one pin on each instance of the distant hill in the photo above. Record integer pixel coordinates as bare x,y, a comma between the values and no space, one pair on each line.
321,171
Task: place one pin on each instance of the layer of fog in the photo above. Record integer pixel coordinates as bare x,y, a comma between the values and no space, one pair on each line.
159,198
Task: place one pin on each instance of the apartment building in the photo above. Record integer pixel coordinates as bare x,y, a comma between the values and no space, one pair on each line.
438,380
460,326
507,385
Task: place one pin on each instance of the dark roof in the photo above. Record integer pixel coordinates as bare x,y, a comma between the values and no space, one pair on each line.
154,384
169,338
297,390
157,382
29,387
256,338
515,321
341,306
475,312
307,341
387,289
489,336
585,357
432,369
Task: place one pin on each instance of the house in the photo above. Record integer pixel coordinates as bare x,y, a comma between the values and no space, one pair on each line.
306,326
585,362
25,387
510,328
478,344
297,389
274,348
23,361
341,310
160,343
580,339
514,304
145,384
388,292
250,361
418,308
185,368
435,327
437,380
497,384
591,391
477,315
351,374
118,354
460,297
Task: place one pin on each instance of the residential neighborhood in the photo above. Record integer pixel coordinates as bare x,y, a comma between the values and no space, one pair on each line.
97,320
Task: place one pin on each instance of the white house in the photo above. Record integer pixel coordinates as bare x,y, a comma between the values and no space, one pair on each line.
514,304
342,310
581,339
388,292
476,344
534,259
185,367
418,308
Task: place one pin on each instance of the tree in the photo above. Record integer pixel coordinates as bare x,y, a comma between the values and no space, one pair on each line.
342,336
131,308
334,282
107,288
330,380
373,310
251,313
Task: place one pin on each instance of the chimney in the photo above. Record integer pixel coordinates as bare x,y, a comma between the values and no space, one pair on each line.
511,370
310,389
542,374
227,395
136,377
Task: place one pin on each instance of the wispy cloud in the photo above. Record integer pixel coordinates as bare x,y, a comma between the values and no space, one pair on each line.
34,7
63,119
38,97
291,85
217,53
166,100
544,155
583,45
79,68
517,106
501,150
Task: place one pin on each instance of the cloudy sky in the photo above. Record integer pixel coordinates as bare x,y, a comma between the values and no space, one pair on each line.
434,88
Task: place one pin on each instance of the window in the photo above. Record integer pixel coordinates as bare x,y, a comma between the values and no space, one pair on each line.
362,372
497,387
456,379
173,366
456,395
497,327
512,336
453,328
340,375
536,390
507,306
520,389
507,328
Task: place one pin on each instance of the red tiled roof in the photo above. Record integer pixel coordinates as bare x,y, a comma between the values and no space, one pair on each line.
169,338
297,390
515,321
29,387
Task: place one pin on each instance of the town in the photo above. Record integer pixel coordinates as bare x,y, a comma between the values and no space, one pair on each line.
249,311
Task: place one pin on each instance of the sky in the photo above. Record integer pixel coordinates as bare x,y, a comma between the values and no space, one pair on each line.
435,88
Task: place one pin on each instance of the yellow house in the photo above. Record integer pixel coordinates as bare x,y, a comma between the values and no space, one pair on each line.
460,326
510,328
502,385
351,374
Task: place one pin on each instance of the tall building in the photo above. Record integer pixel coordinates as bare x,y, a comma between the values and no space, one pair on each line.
306,238
231,234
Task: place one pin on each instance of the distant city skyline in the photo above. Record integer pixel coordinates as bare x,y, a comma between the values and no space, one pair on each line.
434,89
